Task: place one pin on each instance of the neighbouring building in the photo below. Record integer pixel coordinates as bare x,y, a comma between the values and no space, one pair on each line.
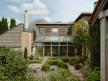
52,38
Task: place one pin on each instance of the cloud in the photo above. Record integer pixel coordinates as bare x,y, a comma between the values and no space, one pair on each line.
47,19
14,9
37,7
17,1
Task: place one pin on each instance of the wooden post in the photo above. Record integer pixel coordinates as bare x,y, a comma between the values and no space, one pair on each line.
51,49
104,45
43,50
67,48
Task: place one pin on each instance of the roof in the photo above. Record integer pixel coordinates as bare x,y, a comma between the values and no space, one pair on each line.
12,38
99,7
40,21
83,15
47,28
52,24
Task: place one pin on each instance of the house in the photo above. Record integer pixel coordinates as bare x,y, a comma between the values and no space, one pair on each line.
52,38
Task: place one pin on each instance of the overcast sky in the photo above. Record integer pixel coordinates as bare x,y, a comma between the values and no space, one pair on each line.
50,10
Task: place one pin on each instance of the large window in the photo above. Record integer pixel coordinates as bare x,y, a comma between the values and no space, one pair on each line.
55,31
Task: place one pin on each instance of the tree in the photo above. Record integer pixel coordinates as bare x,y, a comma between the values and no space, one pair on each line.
25,53
12,23
80,35
3,25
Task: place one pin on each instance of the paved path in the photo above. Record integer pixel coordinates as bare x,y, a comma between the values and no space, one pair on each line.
76,72
37,67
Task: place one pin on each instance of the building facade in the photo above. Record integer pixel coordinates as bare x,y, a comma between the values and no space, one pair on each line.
54,40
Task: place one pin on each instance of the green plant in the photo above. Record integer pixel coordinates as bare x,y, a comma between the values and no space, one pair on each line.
72,78
64,72
52,62
93,76
62,64
33,61
13,67
78,66
31,57
74,60
45,67
53,58
65,59
25,53
94,37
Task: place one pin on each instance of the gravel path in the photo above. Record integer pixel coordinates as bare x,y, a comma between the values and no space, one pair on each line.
76,72
37,67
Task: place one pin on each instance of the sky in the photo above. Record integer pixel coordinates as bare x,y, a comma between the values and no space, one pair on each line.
49,10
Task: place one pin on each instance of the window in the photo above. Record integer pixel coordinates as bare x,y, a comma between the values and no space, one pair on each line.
54,31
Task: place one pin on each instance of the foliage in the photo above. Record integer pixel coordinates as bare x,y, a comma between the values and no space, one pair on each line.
74,60
61,64
64,72
38,52
53,58
12,23
53,62
85,60
93,76
95,44
31,57
25,53
45,67
72,78
80,32
65,59
58,75
78,66
12,66
3,25
33,61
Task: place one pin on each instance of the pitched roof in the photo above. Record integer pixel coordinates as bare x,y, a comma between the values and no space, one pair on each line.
12,38
99,7
84,15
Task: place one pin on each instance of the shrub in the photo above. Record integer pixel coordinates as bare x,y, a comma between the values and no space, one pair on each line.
33,61
72,78
53,58
31,57
13,67
93,76
64,72
25,53
74,60
52,62
65,59
55,76
62,64
78,66
45,67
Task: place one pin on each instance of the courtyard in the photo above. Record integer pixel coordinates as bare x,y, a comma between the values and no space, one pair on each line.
54,41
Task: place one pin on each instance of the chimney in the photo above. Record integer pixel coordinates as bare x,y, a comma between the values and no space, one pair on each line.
26,21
